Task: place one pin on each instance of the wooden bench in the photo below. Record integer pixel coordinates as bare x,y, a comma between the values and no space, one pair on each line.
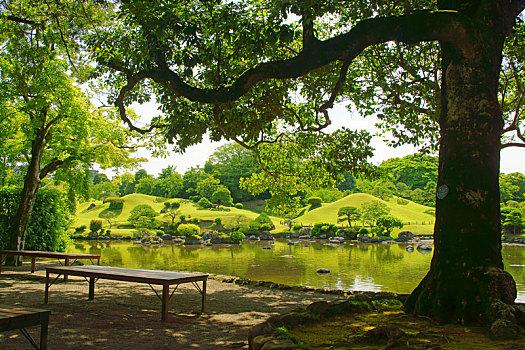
156,277
40,254
17,317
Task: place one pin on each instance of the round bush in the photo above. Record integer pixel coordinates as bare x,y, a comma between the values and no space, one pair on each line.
364,231
237,236
323,229
95,225
188,230
239,206
204,203
217,221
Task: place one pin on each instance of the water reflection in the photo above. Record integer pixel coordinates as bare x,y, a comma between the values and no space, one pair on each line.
353,266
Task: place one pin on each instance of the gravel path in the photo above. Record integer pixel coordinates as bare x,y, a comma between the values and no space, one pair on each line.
127,315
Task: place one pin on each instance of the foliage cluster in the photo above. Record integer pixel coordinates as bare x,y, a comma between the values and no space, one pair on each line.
188,230
48,224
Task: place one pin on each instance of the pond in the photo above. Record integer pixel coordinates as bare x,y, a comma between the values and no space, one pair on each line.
353,266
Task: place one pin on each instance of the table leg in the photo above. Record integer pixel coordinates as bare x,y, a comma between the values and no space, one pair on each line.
33,261
165,298
47,288
203,295
66,263
43,331
91,288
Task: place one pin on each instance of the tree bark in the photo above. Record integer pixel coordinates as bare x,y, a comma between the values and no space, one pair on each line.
29,192
466,282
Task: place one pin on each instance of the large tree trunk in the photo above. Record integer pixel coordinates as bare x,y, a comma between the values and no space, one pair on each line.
466,282
27,198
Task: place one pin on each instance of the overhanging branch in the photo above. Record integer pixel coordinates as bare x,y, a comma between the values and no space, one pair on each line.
445,26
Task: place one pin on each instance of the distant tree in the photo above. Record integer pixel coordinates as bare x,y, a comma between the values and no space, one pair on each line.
109,216
140,174
222,197
143,216
388,223
348,214
169,183
513,223
127,184
512,187
99,177
229,163
207,186
190,180
146,185
348,184
415,170
372,211
172,213
105,189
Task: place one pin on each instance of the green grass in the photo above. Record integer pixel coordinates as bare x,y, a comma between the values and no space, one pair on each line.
188,208
412,214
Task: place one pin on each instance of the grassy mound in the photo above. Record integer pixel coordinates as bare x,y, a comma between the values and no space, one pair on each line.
229,215
415,216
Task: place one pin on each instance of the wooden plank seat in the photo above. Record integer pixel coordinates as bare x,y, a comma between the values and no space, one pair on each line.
93,273
69,258
17,317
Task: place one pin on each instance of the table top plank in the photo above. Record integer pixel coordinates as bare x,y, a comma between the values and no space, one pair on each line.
128,274
14,317
43,254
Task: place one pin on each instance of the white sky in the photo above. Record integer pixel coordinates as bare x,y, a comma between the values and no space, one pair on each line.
512,159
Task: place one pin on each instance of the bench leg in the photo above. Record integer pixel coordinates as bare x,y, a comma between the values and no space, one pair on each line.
43,332
203,295
165,298
46,295
66,263
33,261
91,295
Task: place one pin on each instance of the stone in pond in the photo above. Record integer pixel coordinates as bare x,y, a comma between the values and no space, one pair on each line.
323,271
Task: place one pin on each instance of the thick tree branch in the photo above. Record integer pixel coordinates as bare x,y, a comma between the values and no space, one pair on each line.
445,26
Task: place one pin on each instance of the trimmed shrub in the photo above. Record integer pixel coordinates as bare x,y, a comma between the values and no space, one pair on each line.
80,229
95,225
167,204
114,202
363,231
322,228
239,205
188,230
195,198
159,233
217,221
143,215
195,221
402,201
315,202
204,203
237,236
182,218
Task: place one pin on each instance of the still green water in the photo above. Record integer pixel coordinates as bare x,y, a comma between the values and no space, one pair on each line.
353,266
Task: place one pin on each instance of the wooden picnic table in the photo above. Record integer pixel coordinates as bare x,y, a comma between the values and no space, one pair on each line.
41,254
155,277
17,317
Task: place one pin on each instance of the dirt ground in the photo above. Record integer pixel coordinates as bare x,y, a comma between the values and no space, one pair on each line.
126,315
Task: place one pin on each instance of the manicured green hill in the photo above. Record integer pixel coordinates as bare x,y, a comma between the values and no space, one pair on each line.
188,208
414,216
